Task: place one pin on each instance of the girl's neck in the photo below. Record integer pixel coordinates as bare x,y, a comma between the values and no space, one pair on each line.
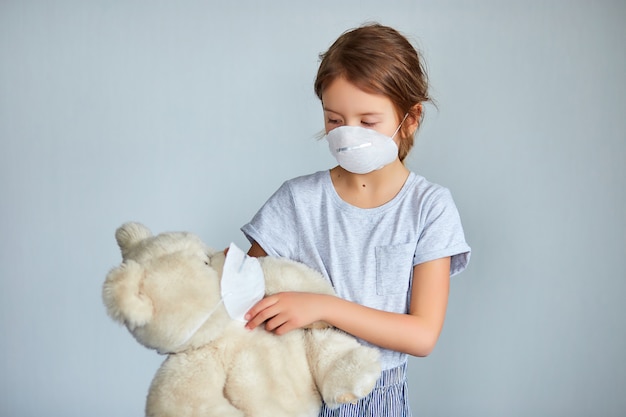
370,190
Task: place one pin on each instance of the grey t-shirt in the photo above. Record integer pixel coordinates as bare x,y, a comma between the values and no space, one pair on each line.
367,254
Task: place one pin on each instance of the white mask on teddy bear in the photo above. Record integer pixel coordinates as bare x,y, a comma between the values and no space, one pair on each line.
242,286
243,283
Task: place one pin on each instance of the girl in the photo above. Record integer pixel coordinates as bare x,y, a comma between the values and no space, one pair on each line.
387,239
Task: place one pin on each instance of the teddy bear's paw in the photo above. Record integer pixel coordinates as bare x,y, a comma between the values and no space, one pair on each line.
352,378
346,398
353,394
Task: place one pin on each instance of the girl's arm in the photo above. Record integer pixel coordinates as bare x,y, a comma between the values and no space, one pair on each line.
415,333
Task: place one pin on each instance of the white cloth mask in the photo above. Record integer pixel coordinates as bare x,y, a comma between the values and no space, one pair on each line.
360,150
243,283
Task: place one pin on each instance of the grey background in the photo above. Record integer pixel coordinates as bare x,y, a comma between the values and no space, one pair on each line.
187,115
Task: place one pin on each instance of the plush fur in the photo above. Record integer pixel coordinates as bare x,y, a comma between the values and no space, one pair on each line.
167,293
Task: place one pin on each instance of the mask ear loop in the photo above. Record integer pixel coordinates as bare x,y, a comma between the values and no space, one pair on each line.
194,330
399,126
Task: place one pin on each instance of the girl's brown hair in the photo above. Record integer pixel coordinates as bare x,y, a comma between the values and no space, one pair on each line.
379,60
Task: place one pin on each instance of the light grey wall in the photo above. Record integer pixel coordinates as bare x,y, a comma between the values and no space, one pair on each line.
187,115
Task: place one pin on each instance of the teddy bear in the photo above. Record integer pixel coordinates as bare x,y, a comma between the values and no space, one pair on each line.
167,293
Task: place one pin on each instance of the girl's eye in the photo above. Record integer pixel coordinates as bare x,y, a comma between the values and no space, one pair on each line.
333,121
368,124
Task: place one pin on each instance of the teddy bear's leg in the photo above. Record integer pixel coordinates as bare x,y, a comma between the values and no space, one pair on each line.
343,369
189,385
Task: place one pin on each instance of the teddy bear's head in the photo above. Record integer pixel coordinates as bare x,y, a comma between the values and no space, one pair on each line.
167,289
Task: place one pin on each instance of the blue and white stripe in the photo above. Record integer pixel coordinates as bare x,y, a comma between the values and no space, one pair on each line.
388,399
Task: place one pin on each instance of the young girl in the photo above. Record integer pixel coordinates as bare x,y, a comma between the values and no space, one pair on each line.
387,239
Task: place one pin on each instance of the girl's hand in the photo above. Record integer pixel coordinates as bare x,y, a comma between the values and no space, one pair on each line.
285,311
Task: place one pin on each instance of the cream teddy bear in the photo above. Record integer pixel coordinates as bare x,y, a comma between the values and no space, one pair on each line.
167,293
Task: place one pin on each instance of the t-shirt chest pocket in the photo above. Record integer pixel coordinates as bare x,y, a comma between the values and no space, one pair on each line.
394,266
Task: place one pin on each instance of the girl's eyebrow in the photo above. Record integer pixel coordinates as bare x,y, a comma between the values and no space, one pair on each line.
361,114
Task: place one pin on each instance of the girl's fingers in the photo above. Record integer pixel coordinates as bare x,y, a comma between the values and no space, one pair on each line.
260,312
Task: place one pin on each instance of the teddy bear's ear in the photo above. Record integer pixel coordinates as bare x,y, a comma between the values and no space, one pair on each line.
129,234
123,297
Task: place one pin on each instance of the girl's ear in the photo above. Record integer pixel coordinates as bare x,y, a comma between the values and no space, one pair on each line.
415,117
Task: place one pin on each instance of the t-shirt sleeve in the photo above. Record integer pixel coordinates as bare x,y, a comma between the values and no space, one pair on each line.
273,227
442,234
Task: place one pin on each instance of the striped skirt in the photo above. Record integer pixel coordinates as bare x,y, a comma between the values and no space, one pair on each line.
387,399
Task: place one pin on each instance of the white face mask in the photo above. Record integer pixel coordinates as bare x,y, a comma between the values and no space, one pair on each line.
243,283
360,150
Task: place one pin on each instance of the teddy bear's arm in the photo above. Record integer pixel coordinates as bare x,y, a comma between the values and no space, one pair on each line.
286,275
283,274
190,384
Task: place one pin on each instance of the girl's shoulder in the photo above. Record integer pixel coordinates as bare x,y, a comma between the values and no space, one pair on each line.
419,188
317,178
305,189
310,184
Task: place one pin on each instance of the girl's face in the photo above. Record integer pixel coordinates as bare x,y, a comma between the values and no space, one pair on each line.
347,105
